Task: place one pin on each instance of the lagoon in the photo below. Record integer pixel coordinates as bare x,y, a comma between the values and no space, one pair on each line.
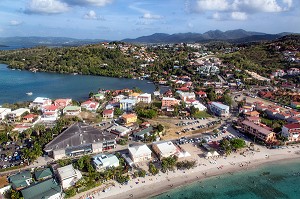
14,85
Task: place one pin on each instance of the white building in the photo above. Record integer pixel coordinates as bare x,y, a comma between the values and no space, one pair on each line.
219,109
90,105
140,153
39,102
186,95
145,98
68,176
127,104
102,161
165,149
119,130
4,112
16,114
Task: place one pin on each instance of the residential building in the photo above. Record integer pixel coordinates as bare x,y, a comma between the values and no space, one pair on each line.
72,110
133,96
254,119
99,96
165,149
90,105
186,95
140,153
145,98
62,103
140,134
168,102
278,73
258,132
4,112
118,98
49,189
219,109
43,174
283,115
20,180
16,114
127,104
51,112
68,176
201,94
293,120
196,104
252,114
40,102
108,113
78,139
119,130
129,118
291,132
295,105
29,118
293,71
103,161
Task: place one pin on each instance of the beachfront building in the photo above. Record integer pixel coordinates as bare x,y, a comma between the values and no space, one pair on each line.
102,161
79,139
291,132
20,180
108,113
140,153
40,102
68,176
62,103
15,115
165,149
219,109
258,132
128,119
90,105
49,189
4,112
72,110
43,174
50,112
127,104
168,102
144,98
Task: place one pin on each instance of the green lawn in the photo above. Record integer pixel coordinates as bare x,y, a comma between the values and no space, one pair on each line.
201,114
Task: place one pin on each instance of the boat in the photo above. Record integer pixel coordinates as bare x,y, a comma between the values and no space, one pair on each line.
29,93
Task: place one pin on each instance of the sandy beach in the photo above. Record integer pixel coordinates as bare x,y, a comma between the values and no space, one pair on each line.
155,185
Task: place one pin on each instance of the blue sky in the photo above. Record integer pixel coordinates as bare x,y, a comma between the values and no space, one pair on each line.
119,19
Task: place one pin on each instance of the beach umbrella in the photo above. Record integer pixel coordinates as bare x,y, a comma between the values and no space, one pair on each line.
216,153
208,154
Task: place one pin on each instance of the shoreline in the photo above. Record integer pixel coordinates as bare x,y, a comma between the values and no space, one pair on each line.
152,186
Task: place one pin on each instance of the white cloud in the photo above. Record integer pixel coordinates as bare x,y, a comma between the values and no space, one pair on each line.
214,5
216,16
151,16
15,23
90,15
190,25
239,16
47,7
289,4
99,3
257,6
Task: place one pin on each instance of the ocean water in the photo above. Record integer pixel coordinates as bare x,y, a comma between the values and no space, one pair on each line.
14,85
274,181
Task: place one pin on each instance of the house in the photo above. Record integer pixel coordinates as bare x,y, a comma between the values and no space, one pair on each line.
144,98
259,132
196,104
283,115
51,112
99,96
102,161
108,113
186,95
252,114
291,132
165,149
201,94
68,176
29,118
119,130
271,112
43,174
133,96
295,105
16,114
72,110
62,103
140,153
4,112
39,102
118,98
127,104
90,105
219,109
140,134
254,119
129,118
49,189
78,139
293,120
168,102
20,180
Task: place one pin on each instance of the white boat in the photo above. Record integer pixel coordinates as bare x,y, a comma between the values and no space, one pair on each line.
29,93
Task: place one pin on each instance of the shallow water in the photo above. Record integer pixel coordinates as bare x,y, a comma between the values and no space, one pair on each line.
266,182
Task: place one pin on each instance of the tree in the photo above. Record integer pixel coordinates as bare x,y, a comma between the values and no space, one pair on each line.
160,128
118,112
227,99
39,128
14,135
152,169
28,133
226,146
237,143
142,173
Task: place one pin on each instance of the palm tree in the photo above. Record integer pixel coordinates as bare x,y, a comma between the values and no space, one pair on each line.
28,133
14,135
39,128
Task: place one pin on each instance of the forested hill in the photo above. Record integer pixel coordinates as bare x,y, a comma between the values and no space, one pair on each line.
89,60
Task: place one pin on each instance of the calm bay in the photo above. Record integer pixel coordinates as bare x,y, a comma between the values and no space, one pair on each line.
14,85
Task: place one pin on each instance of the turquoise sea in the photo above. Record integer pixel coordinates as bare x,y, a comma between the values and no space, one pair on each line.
14,85
273,181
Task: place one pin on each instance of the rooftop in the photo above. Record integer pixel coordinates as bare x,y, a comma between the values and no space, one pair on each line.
292,126
220,105
139,150
258,128
42,173
166,147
